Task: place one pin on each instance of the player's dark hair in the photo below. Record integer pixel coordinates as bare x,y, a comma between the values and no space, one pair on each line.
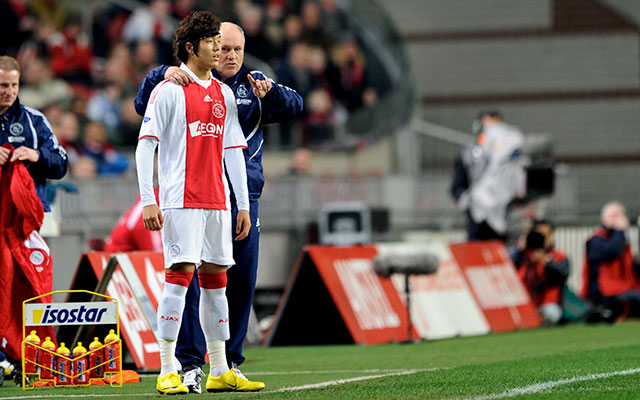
196,26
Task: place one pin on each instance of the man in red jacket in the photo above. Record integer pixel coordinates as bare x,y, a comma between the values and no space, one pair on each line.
610,279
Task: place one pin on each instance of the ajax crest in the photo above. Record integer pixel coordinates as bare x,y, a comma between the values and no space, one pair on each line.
218,110
16,129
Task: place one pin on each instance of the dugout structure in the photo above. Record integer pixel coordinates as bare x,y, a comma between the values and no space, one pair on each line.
101,310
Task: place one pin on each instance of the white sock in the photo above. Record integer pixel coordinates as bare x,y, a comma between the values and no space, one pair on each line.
217,357
169,318
167,351
214,314
214,317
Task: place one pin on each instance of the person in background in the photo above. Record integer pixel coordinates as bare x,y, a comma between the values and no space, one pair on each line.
95,145
260,101
71,53
543,270
610,278
488,177
129,234
29,132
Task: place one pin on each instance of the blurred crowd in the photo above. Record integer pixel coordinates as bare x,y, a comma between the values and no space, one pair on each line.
83,74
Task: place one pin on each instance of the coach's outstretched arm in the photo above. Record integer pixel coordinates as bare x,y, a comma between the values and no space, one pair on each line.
279,103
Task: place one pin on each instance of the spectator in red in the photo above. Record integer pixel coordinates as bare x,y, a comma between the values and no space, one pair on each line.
325,75
543,270
71,53
129,234
611,280
354,90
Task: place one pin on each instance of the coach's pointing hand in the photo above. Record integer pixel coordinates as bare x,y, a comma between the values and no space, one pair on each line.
152,217
243,224
260,87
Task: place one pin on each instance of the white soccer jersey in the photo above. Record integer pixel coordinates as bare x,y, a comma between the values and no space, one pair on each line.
193,124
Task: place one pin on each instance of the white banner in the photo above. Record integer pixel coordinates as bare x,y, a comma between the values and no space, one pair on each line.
91,313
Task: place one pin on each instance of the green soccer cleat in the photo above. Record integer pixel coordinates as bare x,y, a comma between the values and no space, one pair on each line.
230,382
170,383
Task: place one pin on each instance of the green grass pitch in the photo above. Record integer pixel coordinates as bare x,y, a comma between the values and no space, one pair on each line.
569,362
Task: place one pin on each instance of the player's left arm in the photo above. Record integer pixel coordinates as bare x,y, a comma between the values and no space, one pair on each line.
279,103
237,171
49,160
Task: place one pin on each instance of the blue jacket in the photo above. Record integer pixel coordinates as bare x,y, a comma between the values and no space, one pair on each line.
281,104
25,126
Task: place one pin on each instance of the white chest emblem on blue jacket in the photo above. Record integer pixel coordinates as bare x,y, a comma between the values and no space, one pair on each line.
16,129
242,91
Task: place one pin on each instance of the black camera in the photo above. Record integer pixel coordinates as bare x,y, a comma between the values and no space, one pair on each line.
535,241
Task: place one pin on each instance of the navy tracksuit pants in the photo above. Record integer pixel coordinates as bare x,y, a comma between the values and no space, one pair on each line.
241,282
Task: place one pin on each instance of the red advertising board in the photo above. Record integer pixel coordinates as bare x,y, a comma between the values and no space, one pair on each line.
496,286
370,306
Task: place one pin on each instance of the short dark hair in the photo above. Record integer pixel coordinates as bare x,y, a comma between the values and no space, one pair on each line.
489,113
196,26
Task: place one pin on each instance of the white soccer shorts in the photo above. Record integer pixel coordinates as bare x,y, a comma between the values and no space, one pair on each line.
193,235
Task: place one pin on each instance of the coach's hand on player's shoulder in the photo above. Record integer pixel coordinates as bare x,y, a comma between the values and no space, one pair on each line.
260,87
152,217
178,76
243,224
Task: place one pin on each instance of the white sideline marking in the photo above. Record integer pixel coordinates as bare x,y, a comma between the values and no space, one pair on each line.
337,371
541,387
341,381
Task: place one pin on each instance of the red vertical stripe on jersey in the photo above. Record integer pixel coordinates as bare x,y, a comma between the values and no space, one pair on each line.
204,171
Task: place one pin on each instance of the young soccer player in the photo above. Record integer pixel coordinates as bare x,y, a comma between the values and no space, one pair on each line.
197,133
